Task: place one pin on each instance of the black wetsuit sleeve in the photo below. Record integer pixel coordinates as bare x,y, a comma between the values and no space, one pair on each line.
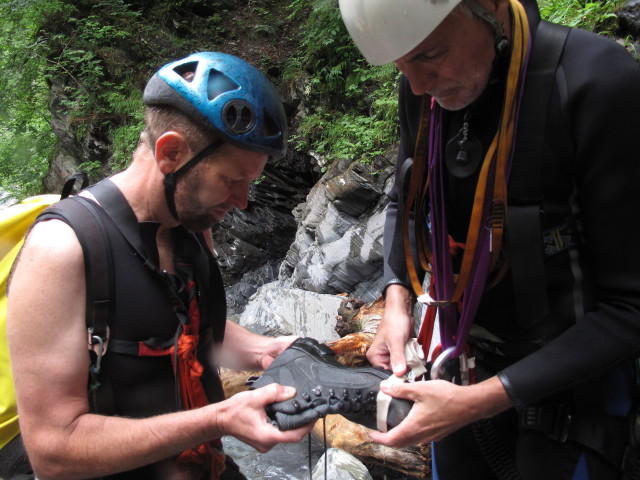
602,101
395,272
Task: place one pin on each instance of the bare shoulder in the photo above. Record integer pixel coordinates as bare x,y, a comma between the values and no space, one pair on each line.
53,236
49,273
50,244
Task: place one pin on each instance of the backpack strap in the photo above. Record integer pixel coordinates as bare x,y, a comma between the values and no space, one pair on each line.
83,215
67,188
524,231
120,212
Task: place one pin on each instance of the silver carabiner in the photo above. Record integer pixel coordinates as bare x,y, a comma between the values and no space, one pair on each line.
97,345
437,367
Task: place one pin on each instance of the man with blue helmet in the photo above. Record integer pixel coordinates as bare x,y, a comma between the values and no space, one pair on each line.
156,409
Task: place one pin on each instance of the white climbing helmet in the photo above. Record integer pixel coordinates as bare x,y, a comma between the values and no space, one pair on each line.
385,30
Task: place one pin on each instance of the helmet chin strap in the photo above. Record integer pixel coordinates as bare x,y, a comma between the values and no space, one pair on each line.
171,179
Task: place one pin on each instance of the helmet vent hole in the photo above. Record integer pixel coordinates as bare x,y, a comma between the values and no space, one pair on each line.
218,84
187,70
270,127
239,117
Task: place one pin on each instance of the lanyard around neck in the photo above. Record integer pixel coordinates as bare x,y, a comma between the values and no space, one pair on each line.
485,234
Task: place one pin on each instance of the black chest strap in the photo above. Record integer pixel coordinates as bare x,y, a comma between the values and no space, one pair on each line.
524,231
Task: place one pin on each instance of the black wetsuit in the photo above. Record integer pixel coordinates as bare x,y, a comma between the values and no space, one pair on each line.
579,357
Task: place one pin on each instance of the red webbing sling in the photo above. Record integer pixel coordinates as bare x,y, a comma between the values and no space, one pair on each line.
188,371
183,347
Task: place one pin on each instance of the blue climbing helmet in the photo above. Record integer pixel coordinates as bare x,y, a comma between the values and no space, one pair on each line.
228,95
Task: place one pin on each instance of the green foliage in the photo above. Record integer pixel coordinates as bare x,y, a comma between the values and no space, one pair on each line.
354,134
26,140
98,54
23,159
353,110
631,45
125,139
598,16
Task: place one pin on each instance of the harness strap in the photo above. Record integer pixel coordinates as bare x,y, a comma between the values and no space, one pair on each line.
606,434
416,169
119,211
83,216
523,224
190,371
155,347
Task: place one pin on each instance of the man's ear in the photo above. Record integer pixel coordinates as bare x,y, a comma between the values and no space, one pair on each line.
172,151
498,8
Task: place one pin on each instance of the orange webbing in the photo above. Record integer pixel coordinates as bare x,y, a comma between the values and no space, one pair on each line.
192,392
417,175
492,178
498,154
425,336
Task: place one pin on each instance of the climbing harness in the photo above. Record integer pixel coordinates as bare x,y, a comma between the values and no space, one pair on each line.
456,297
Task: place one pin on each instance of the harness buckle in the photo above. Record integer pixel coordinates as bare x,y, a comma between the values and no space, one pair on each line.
561,238
554,421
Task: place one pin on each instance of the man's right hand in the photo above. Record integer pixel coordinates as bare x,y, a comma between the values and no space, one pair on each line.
244,417
396,328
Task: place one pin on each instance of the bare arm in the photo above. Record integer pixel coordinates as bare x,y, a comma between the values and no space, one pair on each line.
48,346
244,350
396,327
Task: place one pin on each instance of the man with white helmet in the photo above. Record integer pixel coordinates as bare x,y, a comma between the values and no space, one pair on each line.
155,407
516,187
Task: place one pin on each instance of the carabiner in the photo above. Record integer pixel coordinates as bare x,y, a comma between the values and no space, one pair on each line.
438,364
436,368
427,300
97,345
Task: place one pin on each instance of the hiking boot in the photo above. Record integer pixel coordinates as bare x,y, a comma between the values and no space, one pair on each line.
323,386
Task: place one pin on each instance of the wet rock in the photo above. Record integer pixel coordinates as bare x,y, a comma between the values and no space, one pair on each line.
278,310
338,245
341,465
629,18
